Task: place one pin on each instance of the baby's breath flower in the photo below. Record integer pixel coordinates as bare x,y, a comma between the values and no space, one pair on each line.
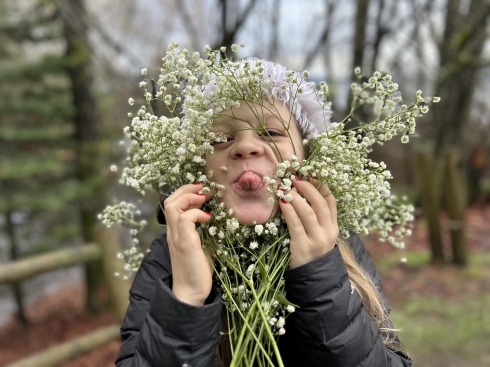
170,150
280,322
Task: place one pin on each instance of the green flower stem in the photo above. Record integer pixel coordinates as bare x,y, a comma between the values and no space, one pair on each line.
269,332
247,326
243,336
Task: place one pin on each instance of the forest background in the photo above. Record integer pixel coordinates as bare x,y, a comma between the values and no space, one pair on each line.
67,69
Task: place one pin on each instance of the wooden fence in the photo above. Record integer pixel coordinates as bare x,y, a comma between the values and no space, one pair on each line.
105,250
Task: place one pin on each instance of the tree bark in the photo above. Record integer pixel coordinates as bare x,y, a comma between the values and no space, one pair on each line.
228,34
430,203
360,33
87,136
16,286
358,54
460,54
456,203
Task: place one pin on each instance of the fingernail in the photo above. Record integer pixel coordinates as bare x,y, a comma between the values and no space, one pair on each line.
208,213
297,178
201,194
197,183
283,201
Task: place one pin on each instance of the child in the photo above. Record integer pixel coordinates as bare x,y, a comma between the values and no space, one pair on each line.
175,312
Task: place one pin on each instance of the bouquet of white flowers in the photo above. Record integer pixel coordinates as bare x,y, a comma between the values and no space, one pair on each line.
250,261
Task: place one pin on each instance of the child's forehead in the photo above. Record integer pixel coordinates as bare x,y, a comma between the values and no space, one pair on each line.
255,115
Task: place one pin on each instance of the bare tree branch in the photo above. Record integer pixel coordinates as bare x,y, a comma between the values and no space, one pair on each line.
329,10
381,31
188,23
360,32
86,20
274,43
228,36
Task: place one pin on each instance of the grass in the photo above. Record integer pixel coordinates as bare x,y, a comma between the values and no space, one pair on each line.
447,324
433,327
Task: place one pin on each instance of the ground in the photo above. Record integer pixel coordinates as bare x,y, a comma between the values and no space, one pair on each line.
411,288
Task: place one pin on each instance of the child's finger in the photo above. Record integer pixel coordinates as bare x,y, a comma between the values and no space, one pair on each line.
186,189
307,214
316,202
186,201
190,217
331,202
295,225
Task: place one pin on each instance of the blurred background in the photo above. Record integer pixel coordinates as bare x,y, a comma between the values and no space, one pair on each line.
67,69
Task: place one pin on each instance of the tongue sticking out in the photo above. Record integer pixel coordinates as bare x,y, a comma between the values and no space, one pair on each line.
249,181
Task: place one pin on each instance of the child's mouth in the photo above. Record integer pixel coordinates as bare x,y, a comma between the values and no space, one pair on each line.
249,181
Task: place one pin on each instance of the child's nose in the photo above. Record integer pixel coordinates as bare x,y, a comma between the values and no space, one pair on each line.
247,147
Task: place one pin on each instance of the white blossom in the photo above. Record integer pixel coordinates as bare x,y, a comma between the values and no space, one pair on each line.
290,309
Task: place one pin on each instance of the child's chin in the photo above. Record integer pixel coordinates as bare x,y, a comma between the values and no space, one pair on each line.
253,216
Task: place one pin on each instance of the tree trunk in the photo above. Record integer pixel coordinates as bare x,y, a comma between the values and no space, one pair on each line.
476,169
358,54
87,136
460,55
228,34
455,203
16,286
430,203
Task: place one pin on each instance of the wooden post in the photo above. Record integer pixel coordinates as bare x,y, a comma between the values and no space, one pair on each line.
64,352
455,202
118,286
430,203
25,268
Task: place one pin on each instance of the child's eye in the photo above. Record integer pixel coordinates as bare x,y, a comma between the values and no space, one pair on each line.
221,139
270,133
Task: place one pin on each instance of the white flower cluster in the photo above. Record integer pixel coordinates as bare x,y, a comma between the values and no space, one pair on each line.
171,149
125,214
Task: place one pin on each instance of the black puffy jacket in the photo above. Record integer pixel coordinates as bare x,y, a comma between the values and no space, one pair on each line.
331,327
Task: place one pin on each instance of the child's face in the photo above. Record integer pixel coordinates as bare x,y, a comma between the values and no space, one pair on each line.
258,136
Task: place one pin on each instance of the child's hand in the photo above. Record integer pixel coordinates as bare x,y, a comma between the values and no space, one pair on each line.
312,223
191,270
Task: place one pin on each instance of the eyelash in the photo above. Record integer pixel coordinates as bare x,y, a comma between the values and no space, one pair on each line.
267,134
271,133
